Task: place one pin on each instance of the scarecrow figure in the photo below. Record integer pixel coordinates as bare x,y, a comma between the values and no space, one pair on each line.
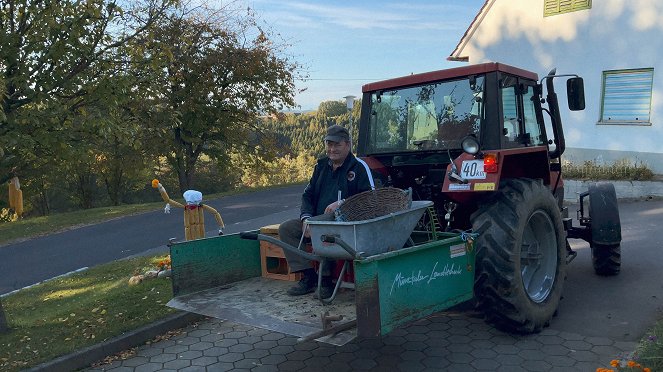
194,219
15,196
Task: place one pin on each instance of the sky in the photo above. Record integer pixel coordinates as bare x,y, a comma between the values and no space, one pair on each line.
344,45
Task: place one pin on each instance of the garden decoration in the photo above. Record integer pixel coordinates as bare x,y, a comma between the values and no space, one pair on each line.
163,270
15,196
194,219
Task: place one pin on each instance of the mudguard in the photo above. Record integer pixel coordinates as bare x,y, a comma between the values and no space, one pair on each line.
604,214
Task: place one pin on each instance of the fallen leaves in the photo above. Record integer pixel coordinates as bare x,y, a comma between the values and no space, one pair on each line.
96,310
122,355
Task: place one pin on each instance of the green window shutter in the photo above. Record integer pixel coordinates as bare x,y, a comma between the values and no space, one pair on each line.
626,96
550,7
554,7
565,6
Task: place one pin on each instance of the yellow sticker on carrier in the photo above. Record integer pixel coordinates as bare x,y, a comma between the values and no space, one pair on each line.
487,186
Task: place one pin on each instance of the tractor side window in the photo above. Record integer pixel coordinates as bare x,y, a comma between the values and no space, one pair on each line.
387,129
532,127
511,130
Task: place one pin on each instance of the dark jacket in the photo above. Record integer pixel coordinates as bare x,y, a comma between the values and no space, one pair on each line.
350,178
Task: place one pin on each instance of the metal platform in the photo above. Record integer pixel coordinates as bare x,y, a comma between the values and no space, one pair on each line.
264,303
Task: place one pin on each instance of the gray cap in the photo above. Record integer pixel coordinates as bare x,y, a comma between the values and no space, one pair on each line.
337,133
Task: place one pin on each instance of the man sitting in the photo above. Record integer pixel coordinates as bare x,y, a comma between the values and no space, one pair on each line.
340,171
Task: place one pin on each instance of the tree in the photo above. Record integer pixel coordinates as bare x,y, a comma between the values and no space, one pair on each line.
328,109
51,55
209,79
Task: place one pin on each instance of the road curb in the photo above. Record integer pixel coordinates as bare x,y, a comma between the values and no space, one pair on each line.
85,357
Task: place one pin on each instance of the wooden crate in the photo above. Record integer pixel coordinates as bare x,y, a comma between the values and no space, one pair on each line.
272,259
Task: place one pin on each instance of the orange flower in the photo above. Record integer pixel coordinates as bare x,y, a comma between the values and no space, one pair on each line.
614,363
647,369
155,183
631,363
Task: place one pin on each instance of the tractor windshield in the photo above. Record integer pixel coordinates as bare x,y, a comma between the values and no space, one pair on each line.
433,116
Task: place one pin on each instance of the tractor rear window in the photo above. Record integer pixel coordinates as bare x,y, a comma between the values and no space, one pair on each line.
434,116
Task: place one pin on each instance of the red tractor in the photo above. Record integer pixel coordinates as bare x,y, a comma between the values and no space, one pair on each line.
473,140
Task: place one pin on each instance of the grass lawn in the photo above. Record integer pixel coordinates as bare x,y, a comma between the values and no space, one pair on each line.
67,314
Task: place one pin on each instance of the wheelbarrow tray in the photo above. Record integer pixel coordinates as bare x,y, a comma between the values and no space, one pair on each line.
221,277
367,237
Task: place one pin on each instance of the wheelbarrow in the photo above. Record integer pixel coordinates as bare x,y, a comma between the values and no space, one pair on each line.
356,240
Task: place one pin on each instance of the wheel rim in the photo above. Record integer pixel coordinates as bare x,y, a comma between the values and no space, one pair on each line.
538,256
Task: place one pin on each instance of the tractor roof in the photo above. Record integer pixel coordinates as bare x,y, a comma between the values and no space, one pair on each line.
448,74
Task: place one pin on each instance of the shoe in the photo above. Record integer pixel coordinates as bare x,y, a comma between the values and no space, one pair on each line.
306,284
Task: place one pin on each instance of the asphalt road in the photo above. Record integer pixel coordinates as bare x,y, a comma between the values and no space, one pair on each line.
620,307
35,260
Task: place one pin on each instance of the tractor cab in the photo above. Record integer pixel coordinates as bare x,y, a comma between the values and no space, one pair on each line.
451,133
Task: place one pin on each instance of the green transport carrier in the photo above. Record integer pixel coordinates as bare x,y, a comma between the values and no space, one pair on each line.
221,277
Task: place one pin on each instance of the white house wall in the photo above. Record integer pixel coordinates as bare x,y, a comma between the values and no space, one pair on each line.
612,35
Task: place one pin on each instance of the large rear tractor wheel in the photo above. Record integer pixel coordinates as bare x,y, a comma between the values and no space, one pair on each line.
606,229
520,256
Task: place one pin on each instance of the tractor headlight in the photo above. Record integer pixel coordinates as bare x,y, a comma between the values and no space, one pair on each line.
470,145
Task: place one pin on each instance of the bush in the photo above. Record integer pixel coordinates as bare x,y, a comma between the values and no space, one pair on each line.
623,169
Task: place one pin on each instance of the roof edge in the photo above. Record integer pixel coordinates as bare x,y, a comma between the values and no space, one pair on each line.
467,70
464,40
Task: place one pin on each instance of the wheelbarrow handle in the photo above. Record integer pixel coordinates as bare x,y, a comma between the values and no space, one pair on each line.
266,238
250,235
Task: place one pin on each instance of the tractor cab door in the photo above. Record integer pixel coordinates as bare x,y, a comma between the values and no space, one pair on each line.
521,119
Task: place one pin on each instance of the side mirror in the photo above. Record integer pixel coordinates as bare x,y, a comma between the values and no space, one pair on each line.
575,92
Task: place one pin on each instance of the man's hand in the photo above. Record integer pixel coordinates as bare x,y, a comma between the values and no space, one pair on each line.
334,206
307,230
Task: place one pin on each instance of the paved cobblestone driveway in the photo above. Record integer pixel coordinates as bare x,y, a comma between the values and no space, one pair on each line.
444,342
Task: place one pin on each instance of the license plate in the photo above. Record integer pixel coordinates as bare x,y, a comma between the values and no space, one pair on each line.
472,170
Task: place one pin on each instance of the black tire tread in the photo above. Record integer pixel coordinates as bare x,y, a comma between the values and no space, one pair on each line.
498,222
606,259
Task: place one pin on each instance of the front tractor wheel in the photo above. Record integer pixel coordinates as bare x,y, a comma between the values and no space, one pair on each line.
520,256
606,229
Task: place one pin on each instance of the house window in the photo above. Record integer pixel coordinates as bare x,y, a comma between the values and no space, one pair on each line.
554,7
626,96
